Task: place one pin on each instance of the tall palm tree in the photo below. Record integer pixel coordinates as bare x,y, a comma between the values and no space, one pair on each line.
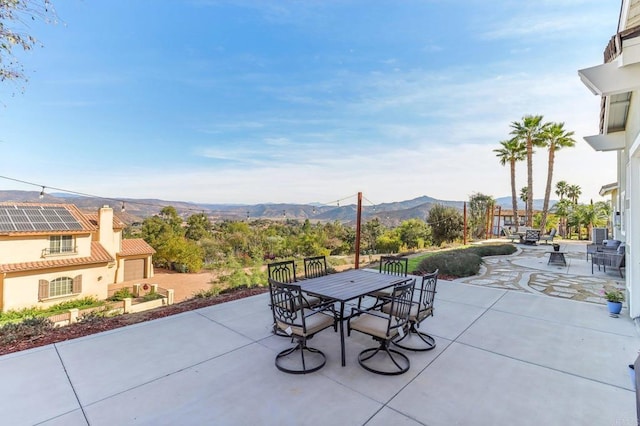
563,209
512,151
574,192
524,194
555,137
561,190
529,131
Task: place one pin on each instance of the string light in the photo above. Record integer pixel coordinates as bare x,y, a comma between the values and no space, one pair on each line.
123,208
42,193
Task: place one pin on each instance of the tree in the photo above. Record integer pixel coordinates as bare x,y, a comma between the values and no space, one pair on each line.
414,233
479,204
555,137
371,231
13,15
563,209
446,224
524,197
574,192
561,190
511,152
529,131
198,227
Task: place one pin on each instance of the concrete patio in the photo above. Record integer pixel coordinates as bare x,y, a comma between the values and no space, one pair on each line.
502,357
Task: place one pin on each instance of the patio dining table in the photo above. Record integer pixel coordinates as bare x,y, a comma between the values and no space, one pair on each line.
345,286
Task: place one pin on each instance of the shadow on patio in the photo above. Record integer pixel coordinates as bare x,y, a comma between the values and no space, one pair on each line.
502,357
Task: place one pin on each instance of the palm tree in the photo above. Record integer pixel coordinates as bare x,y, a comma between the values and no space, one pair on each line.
524,198
555,137
574,192
512,150
561,190
529,131
563,209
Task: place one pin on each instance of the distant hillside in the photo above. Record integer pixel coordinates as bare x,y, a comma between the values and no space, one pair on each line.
138,209
505,203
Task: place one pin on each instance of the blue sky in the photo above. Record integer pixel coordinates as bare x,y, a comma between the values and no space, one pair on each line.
245,101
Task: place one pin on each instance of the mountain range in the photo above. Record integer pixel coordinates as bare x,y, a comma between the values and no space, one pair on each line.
135,210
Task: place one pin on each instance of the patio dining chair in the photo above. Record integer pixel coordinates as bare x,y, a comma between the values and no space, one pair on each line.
294,318
315,267
384,328
612,259
392,265
285,272
420,310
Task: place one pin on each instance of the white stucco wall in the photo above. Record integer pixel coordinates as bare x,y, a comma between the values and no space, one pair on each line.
31,248
21,291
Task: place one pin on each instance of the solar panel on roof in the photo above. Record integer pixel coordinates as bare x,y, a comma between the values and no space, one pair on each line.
37,219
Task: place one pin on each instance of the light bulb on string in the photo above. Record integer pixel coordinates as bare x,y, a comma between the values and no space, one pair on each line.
122,209
41,196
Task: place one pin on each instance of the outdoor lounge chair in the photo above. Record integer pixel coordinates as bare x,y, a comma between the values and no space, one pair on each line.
420,310
612,259
550,237
384,328
295,319
510,236
532,236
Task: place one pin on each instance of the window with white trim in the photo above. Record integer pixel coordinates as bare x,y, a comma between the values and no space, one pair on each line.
61,244
61,286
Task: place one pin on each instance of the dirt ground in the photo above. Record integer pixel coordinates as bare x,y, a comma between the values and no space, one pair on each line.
183,285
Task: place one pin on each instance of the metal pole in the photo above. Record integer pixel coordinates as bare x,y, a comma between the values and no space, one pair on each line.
358,222
464,228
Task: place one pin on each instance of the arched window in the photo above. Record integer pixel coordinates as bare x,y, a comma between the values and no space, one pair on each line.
61,286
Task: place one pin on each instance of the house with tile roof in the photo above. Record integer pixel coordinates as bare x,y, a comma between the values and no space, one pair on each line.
51,253
617,83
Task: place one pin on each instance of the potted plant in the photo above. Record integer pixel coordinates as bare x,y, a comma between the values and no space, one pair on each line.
614,301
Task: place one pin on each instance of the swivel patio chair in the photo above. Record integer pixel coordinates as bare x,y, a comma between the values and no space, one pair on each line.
392,265
420,310
384,328
315,267
301,323
285,272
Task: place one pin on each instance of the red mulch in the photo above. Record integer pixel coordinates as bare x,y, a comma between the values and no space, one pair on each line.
60,334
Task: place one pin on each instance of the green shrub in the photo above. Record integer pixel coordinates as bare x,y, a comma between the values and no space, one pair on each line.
458,263
152,296
492,249
203,294
25,330
123,293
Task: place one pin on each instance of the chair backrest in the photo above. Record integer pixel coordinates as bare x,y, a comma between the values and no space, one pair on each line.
553,232
284,271
287,305
315,267
427,295
532,234
401,301
394,265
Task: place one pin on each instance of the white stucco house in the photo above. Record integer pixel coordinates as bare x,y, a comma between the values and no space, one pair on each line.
617,82
50,253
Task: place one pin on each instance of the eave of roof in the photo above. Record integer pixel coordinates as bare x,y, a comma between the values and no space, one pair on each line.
98,256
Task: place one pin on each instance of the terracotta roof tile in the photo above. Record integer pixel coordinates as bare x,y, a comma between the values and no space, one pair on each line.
93,219
135,246
98,255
